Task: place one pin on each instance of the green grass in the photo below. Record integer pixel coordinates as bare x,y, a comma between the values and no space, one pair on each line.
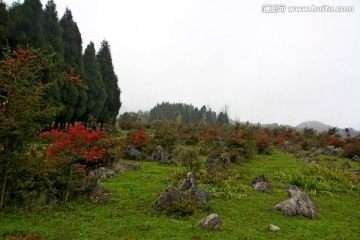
129,214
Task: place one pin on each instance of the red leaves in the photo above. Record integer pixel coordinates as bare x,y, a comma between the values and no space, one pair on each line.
138,139
75,79
78,142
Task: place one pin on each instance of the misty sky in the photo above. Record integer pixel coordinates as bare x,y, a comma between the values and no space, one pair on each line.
284,67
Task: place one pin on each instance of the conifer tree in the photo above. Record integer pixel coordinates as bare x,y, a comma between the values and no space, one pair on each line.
27,19
4,24
112,103
73,60
96,88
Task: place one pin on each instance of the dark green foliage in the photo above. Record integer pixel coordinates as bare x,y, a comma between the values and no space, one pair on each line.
73,98
52,30
112,104
223,118
4,24
27,28
23,111
189,114
96,88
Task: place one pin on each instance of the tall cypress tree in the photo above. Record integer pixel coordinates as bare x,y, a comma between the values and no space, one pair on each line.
73,59
28,20
96,88
112,104
52,30
54,43
4,24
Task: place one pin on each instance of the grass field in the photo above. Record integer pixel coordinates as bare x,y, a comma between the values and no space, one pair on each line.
129,214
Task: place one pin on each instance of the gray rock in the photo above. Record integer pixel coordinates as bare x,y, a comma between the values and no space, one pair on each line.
134,154
211,222
171,159
356,158
260,178
95,175
159,154
188,190
215,163
103,173
300,204
262,187
100,194
121,166
274,228
346,165
311,159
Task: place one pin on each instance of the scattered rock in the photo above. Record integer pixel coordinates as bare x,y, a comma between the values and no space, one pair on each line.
260,178
262,187
217,162
273,227
330,151
159,154
211,222
260,184
356,158
300,204
121,166
298,154
311,159
346,165
331,163
100,194
103,173
188,190
134,154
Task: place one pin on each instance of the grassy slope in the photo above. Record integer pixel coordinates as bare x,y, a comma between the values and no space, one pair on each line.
129,215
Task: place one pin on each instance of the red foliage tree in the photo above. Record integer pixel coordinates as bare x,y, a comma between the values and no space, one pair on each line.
78,143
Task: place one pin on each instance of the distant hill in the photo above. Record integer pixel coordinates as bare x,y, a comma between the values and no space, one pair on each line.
321,127
318,126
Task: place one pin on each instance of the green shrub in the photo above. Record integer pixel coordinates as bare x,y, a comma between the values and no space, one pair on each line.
315,180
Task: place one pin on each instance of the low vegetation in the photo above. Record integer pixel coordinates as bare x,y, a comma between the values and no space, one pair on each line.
245,214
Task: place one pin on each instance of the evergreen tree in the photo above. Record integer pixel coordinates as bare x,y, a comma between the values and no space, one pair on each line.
112,104
52,30
4,24
27,26
96,88
73,59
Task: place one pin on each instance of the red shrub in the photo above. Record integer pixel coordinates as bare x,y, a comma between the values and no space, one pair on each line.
335,141
78,143
138,139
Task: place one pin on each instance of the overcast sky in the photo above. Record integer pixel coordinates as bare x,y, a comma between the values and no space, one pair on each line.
267,67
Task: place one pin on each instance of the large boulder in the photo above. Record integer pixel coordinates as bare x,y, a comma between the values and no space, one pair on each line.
217,162
162,156
300,204
211,222
188,191
95,175
133,154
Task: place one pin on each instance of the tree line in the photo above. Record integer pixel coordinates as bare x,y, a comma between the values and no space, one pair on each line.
187,113
29,25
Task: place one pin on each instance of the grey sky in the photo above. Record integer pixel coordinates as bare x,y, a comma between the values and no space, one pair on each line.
284,67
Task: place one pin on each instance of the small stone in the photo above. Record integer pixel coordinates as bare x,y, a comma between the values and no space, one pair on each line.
211,222
273,227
